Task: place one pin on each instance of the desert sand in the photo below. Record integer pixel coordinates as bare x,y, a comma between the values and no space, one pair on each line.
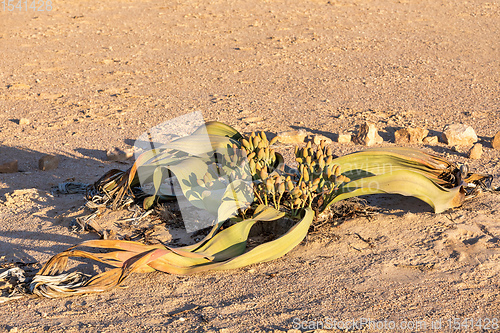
89,76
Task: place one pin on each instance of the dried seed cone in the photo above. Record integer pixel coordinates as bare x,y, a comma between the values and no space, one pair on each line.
256,141
261,154
306,175
281,188
246,144
334,169
296,193
270,185
321,163
251,164
263,173
343,179
337,171
264,137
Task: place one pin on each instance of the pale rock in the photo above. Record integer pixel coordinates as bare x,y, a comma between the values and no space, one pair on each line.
9,167
431,140
117,154
344,138
459,134
410,135
475,152
48,162
290,137
368,135
24,121
496,141
318,138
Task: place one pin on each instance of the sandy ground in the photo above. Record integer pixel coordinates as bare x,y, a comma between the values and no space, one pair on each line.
94,75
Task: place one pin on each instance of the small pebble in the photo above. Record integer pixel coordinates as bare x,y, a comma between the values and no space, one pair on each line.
344,138
475,152
24,121
117,154
368,135
9,167
291,137
48,162
318,138
410,135
496,141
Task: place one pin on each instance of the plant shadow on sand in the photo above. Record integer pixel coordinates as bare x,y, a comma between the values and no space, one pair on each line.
36,219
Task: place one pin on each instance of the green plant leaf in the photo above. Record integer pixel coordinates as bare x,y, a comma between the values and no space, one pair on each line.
273,249
218,128
405,182
378,161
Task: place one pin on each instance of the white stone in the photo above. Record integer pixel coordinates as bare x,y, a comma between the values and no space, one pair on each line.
459,134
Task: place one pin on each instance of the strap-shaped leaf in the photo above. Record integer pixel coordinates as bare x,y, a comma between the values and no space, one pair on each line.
378,161
218,128
405,182
273,249
135,256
